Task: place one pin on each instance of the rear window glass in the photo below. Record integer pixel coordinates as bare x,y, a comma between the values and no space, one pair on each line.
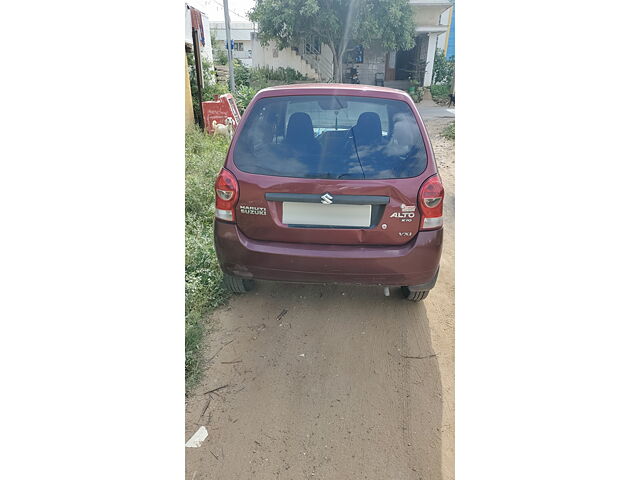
337,137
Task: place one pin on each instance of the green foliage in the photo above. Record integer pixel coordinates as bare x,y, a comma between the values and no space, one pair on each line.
416,90
241,73
204,156
250,80
262,77
335,23
387,22
450,131
221,56
440,93
243,96
417,94
443,69
219,53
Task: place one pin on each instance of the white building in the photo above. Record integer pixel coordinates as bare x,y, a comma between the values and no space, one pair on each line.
241,36
314,61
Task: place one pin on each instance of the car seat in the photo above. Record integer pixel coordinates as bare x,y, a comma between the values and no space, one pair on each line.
300,135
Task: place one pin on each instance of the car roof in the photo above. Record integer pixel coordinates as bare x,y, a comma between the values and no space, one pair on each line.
333,89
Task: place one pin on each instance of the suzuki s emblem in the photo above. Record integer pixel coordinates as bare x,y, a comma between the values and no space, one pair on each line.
327,199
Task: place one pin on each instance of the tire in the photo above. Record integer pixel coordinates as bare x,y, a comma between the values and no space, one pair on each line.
416,296
237,284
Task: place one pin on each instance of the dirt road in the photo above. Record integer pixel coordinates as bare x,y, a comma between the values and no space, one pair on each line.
331,382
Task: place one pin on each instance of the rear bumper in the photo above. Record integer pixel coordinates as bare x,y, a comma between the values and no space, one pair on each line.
414,263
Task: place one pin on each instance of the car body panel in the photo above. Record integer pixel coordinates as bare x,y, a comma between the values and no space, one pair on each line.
414,263
391,251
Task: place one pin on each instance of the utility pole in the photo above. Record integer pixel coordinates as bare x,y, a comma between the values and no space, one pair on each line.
199,80
227,24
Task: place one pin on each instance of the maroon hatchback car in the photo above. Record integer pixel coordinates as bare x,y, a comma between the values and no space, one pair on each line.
330,183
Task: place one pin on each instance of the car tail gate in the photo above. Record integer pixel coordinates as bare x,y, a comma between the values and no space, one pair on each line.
330,169
323,212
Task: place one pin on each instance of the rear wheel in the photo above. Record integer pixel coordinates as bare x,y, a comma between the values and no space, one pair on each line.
415,296
237,284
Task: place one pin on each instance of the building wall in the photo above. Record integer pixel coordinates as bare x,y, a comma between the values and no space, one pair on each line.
445,19
240,34
426,16
373,62
244,55
239,31
270,56
188,102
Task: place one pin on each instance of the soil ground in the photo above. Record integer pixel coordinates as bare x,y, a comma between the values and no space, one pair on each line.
331,382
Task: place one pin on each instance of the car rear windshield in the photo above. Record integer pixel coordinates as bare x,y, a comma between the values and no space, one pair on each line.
336,137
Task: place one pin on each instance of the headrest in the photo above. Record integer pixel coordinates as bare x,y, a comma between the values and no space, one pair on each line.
368,129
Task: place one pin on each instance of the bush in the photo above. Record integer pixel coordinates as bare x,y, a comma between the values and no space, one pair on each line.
262,77
450,131
250,80
241,73
243,96
443,69
440,92
219,52
416,91
204,156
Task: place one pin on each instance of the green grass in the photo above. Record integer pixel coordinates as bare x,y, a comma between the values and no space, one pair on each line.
440,93
450,131
204,156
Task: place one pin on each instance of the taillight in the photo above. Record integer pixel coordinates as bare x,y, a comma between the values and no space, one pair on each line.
430,199
226,195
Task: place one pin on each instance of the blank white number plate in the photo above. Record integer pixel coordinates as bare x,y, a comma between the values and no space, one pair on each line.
302,213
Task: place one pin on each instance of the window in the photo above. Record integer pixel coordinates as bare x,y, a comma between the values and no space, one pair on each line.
338,137
239,46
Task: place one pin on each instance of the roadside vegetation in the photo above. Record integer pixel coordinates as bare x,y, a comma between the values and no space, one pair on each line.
250,80
450,131
204,156
443,77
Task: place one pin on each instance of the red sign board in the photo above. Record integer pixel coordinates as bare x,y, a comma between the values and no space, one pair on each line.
223,107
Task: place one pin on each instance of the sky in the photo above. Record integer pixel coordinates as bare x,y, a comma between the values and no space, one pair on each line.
214,10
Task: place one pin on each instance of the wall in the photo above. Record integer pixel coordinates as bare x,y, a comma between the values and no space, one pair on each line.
374,62
239,31
188,102
245,55
426,16
263,56
445,19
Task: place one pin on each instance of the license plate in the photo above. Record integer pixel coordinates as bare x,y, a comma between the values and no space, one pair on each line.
302,213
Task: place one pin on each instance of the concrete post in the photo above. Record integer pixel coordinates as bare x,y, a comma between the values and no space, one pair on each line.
431,55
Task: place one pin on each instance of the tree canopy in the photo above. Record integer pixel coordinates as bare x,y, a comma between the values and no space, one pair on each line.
287,23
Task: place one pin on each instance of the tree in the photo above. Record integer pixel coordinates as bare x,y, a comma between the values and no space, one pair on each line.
336,23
